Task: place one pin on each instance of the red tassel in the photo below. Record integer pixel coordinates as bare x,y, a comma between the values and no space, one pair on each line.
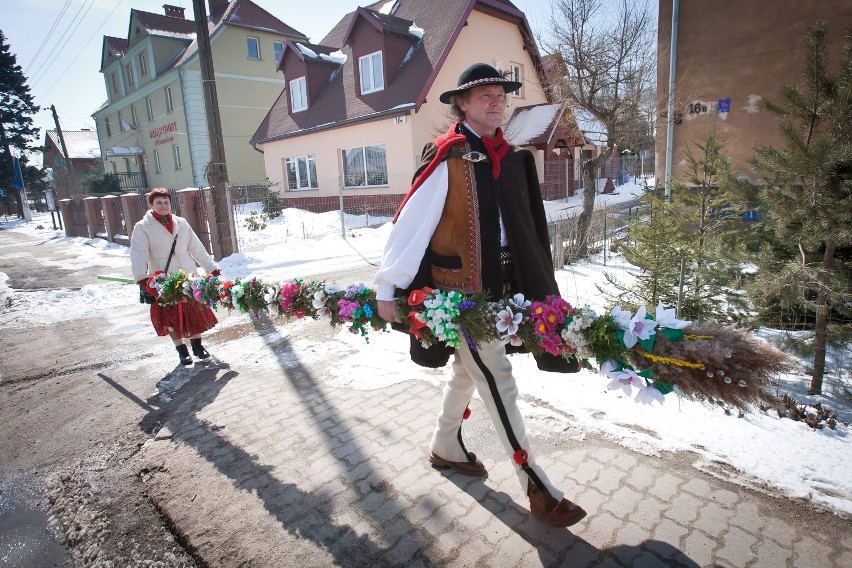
467,413
520,457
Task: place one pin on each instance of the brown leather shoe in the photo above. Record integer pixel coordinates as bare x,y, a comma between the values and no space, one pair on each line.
474,468
544,507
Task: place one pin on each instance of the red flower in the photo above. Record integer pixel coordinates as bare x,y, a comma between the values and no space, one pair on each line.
299,313
414,322
467,413
149,286
227,285
520,457
416,297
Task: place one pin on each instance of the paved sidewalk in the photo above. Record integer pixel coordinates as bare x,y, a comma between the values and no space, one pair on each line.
276,468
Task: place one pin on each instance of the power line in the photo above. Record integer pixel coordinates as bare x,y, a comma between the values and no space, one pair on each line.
85,44
47,35
67,37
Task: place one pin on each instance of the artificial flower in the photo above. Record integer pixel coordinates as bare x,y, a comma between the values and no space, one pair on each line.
638,328
507,322
648,395
666,318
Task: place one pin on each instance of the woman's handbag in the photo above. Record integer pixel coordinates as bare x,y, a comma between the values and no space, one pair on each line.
146,297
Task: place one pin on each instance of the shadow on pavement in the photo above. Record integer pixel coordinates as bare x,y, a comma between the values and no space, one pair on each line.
560,546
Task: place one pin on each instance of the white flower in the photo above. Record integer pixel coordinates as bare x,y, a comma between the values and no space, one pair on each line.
621,317
624,379
648,394
519,301
333,288
323,313
637,328
319,300
512,339
666,318
508,321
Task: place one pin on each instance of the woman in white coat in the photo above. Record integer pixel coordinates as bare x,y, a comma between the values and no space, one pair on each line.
150,246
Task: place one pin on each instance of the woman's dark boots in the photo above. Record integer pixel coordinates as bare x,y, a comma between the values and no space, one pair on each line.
183,352
198,350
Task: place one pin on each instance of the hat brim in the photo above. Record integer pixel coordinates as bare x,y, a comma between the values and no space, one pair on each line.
508,87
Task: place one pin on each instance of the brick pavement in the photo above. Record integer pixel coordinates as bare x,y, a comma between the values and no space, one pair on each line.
262,466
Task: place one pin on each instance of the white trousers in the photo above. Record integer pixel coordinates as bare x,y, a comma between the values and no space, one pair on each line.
489,371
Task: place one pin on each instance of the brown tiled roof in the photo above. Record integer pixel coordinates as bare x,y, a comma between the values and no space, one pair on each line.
338,102
249,15
117,44
243,13
160,24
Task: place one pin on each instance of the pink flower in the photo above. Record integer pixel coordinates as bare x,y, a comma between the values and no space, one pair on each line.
346,308
551,344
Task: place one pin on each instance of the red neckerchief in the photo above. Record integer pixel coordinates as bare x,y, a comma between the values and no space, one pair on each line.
167,221
496,147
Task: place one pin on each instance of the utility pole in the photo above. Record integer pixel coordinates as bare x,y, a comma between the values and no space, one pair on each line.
69,165
217,170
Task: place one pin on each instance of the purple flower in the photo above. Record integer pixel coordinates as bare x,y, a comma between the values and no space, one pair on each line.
467,305
347,308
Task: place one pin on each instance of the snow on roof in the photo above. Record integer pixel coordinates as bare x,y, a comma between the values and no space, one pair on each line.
335,57
387,7
530,123
81,144
415,31
307,51
593,129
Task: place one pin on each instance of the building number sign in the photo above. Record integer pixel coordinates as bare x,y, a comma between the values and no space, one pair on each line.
697,108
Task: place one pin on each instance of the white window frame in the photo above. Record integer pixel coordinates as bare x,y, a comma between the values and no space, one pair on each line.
143,65
170,105
371,61
298,94
292,164
516,73
134,115
108,128
347,179
131,77
157,166
176,152
277,50
115,89
149,108
256,41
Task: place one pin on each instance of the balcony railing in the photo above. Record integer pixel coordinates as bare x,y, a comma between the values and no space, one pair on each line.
132,181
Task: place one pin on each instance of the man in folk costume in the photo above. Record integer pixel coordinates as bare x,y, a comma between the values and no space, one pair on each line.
474,221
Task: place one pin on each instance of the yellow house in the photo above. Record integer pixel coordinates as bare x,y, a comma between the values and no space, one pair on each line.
358,107
153,127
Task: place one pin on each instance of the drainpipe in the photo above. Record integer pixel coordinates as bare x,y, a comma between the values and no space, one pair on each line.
670,104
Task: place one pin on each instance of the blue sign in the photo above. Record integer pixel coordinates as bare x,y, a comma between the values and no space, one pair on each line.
2,192
18,179
724,105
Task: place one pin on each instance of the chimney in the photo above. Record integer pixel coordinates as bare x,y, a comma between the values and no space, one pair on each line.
217,8
174,11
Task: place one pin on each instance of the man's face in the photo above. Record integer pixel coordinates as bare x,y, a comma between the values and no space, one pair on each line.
483,108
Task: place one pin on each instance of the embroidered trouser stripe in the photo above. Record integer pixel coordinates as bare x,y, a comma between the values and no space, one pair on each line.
504,419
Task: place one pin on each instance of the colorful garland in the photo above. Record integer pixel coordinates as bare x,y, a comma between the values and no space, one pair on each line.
697,365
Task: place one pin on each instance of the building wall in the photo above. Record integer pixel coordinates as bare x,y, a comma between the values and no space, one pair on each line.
246,90
406,134
742,51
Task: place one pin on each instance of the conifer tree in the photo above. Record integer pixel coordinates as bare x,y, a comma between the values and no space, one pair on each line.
806,194
16,111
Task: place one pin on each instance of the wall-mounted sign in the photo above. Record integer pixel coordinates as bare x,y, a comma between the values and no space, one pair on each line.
160,133
724,105
399,120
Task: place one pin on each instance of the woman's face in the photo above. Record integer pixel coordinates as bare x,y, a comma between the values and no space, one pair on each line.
161,205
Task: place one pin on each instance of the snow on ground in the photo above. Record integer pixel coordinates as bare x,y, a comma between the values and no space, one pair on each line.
811,464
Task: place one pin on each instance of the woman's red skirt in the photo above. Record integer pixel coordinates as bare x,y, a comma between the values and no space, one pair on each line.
185,319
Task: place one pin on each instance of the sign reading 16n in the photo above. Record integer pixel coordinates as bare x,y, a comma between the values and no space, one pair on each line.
697,108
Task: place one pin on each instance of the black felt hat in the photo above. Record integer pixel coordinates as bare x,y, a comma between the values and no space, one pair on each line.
477,75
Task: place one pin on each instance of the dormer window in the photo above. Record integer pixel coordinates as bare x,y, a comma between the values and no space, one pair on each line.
298,95
114,83
372,73
143,65
278,48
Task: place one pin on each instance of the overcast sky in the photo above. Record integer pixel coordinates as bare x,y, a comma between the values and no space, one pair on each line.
58,43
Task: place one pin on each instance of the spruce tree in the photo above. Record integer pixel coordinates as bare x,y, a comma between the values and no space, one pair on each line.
806,194
16,111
